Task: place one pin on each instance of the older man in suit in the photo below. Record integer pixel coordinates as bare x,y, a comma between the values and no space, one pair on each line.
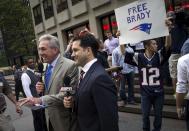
96,99
58,117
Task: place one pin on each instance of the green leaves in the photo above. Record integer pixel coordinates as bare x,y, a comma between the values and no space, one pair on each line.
17,28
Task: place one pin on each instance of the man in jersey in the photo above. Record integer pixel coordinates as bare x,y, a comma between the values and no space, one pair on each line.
152,93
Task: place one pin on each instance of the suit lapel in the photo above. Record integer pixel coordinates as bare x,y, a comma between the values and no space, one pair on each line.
87,76
56,69
84,82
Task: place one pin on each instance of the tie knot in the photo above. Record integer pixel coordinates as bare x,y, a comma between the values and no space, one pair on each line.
50,66
48,75
81,74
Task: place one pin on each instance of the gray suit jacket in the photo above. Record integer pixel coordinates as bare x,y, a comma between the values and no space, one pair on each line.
60,117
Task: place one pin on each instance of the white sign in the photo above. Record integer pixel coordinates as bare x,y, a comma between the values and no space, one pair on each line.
141,20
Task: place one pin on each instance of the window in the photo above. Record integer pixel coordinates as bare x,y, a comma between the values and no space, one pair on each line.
76,30
61,5
109,24
48,8
37,14
55,34
113,24
74,2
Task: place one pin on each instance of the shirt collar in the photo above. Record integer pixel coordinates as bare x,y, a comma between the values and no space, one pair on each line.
88,65
30,69
55,61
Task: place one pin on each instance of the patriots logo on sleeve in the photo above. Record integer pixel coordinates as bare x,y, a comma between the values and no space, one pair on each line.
145,27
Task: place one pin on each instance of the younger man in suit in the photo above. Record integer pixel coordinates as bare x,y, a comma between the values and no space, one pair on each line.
96,97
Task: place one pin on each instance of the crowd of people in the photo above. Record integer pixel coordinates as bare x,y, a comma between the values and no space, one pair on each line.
77,94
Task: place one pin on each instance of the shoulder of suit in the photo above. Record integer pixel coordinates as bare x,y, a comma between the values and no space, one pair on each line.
68,61
98,68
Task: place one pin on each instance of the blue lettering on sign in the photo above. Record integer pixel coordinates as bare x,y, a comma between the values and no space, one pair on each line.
138,13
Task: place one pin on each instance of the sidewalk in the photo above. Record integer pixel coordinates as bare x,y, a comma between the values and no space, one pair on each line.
127,121
23,122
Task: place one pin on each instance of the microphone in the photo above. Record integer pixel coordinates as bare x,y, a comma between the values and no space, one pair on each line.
67,90
67,81
40,69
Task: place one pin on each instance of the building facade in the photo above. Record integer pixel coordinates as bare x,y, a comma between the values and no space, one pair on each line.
59,17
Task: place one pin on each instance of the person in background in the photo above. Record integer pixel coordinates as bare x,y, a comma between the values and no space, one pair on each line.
178,37
152,92
13,68
96,97
24,68
182,88
110,44
18,83
5,120
139,47
149,65
127,74
102,55
68,50
185,48
29,81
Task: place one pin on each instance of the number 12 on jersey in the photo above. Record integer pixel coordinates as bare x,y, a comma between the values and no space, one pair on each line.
150,76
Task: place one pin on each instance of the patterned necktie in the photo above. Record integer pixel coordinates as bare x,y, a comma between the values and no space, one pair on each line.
48,75
81,77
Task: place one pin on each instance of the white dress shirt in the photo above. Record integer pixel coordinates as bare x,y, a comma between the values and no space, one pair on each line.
87,66
111,44
54,63
183,75
26,81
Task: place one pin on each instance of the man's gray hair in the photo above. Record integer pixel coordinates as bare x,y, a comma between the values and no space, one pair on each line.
53,41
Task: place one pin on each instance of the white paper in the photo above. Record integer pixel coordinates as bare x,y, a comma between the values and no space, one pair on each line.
141,20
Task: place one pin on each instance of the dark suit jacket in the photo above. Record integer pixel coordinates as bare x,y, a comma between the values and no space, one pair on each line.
96,101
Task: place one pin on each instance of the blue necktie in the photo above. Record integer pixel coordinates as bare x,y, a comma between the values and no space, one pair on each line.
48,75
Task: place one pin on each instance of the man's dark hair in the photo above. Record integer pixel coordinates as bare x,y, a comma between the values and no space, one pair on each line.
146,43
27,61
17,67
88,40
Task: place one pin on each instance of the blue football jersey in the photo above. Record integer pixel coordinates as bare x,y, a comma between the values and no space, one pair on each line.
150,72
